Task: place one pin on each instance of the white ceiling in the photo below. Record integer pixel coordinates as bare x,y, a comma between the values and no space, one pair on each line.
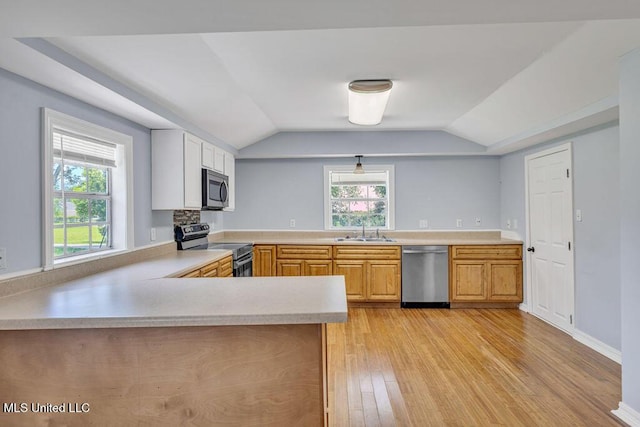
494,73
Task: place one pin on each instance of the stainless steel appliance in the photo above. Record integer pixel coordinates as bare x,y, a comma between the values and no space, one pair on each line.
194,237
215,190
425,276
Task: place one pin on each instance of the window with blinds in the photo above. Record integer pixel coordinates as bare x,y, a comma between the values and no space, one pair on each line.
82,169
355,200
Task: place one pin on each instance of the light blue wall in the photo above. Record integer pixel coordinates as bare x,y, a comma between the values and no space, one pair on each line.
21,101
630,227
596,238
440,189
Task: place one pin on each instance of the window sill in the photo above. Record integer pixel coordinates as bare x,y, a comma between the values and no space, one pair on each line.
80,259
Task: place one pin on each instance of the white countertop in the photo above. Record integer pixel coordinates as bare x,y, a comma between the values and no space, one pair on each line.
140,295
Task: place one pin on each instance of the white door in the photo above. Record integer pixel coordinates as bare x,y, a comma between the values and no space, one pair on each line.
550,236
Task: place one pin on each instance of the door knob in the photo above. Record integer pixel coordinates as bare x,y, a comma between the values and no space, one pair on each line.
531,249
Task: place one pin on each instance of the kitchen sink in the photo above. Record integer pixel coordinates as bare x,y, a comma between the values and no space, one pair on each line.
364,239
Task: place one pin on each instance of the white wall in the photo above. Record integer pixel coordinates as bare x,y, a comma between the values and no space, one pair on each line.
630,228
21,101
596,239
440,189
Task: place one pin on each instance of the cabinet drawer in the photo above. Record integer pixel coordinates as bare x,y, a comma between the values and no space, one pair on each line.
366,252
226,267
303,252
194,273
486,252
209,269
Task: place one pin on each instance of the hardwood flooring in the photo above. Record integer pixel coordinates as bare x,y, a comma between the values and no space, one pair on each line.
464,367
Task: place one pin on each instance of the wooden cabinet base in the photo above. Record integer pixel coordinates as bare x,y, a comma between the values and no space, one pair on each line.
219,375
474,304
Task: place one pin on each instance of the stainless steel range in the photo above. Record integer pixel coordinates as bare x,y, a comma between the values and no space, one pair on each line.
194,237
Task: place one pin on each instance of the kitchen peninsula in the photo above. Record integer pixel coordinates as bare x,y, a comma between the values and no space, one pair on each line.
133,346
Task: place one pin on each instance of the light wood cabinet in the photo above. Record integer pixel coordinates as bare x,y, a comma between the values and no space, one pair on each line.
485,274
372,273
226,267
264,260
221,268
303,260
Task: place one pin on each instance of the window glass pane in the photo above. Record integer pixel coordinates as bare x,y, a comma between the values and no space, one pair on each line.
339,207
57,175
358,206
58,212
75,178
377,221
58,241
357,221
98,210
101,236
340,220
378,207
77,210
377,191
77,239
97,180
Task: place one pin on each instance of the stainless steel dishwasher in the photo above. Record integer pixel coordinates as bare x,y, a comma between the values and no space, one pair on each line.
425,276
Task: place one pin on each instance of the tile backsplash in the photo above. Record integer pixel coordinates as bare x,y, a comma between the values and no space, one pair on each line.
186,217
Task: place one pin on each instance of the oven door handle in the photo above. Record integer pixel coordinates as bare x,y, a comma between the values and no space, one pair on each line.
240,263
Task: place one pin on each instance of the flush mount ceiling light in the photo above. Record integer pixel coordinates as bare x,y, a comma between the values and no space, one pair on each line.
367,100
359,169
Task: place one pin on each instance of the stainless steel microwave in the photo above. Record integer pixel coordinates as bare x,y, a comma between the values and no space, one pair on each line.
215,190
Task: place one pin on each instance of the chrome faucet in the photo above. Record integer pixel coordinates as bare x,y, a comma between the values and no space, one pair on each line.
363,236
377,233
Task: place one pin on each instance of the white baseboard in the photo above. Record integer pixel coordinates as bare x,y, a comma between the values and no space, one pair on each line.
524,307
627,414
599,346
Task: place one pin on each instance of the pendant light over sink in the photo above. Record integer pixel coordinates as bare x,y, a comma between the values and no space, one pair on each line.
368,100
359,169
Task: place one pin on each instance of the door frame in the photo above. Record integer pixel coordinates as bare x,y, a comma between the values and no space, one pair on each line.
563,147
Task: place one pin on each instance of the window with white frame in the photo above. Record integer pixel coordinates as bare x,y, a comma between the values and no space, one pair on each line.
352,200
87,189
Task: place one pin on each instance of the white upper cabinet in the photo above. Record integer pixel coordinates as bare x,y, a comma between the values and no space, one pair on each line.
230,171
212,157
176,170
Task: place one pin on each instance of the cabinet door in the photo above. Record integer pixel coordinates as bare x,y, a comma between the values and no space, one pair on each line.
384,281
210,270
226,267
192,172
218,160
208,155
264,260
317,268
230,171
505,282
354,272
290,267
468,281
194,273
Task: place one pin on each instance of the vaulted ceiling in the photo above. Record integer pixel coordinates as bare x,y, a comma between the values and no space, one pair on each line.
500,73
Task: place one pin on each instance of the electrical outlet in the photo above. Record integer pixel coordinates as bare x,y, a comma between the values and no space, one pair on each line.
3,258
478,222
579,215
292,223
153,234
459,223
515,224
423,223
508,224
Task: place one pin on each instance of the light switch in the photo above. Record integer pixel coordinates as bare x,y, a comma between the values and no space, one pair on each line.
459,223
515,224
579,215
423,223
153,234
509,224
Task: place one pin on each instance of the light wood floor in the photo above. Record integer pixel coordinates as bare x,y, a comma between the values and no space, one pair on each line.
413,367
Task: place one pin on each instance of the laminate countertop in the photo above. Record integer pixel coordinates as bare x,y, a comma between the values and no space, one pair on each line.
146,295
